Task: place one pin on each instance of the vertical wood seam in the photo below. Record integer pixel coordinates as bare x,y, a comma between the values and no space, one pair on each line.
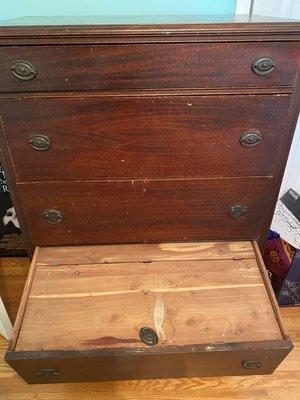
269,290
24,301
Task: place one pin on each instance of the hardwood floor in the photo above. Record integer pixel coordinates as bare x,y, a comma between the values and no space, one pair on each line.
284,384
13,273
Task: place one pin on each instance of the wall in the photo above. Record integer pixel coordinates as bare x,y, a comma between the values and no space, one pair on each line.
19,8
243,6
275,8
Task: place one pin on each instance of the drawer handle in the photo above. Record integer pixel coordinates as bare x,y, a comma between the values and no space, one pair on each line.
250,139
148,336
45,373
238,211
251,364
53,216
23,70
263,66
39,142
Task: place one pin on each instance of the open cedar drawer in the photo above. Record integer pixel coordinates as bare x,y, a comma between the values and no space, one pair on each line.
147,311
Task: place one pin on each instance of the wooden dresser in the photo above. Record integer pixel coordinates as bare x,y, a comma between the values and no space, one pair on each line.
144,161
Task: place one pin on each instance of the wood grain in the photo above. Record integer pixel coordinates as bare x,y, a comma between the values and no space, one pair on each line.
281,385
182,275
109,364
204,29
140,66
62,322
66,255
137,211
77,316
13,274
144,137
120,298
269,289
160,61
172,205
24,300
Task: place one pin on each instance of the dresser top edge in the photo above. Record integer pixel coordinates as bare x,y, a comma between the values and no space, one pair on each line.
160,26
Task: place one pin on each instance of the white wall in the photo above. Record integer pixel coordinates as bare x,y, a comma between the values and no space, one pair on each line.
274,8
243,6
286,9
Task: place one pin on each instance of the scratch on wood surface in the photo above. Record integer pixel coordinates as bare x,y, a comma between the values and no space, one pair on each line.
91,198
224,334
159,315
45,284
151,290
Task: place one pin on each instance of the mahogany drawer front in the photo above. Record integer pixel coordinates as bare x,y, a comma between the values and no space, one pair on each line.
90,366
68,212
155,312
144,137
145,66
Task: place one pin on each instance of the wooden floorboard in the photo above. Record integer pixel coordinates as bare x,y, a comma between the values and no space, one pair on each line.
284,384
13,274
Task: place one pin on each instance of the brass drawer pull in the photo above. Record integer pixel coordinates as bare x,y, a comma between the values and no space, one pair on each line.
250,139
39,142
53,216
251,364
148,336
45,373
263,66
23,70
238,211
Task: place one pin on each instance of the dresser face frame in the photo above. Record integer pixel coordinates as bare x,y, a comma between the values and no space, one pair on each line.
175,203
249,41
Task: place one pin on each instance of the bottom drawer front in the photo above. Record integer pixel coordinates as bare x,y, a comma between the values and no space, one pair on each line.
169,310
61,213
196,361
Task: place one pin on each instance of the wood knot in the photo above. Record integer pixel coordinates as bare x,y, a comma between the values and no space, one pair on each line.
191,321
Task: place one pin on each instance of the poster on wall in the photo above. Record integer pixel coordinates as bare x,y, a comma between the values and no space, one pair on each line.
11,242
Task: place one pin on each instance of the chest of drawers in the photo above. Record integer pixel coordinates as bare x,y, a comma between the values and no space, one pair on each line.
144,162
